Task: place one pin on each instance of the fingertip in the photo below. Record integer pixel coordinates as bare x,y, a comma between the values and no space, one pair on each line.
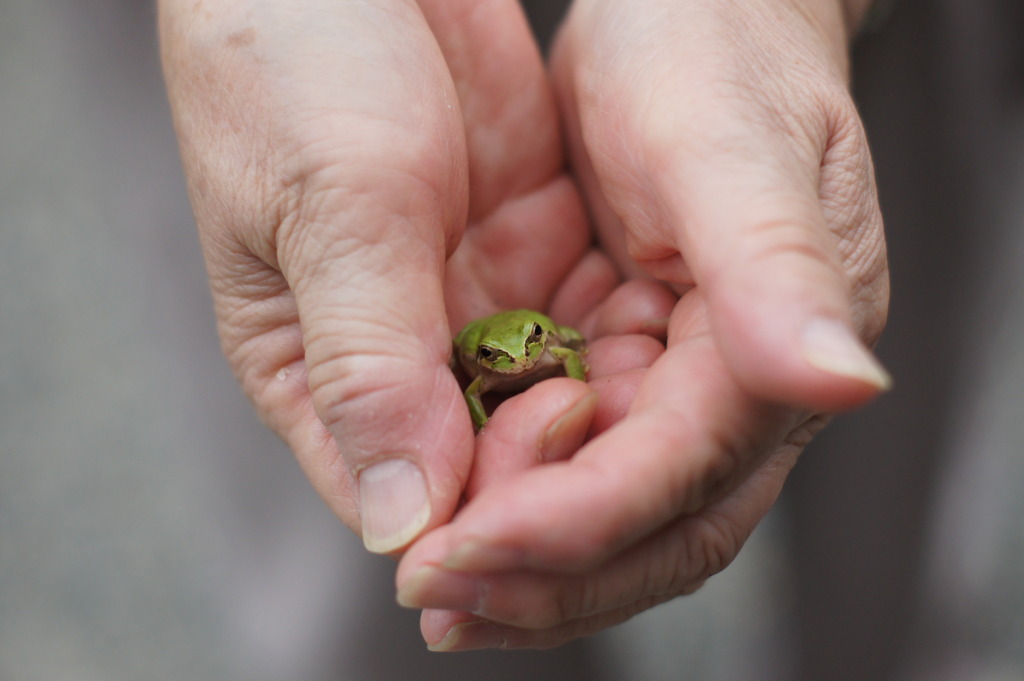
617,394
818,363
563,437
618,365
430,550
615,354
448,631
831,346
593,279
409,457
639,306
546,423
394,504
781,316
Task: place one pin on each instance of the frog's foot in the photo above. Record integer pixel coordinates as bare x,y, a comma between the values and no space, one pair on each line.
573,362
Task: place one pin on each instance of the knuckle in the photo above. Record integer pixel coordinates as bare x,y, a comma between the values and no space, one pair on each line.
581,627
681,563
353,379
797,439
352,387
669,572
716,474
778,237
710,547
789,235
557,603
576,598
531,602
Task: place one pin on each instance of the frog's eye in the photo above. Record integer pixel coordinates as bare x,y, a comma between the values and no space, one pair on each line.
537,331
485,352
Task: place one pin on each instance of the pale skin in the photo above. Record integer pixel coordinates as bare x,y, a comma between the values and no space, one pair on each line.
369,176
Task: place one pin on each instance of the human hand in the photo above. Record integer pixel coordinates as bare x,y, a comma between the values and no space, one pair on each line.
720,152
334,153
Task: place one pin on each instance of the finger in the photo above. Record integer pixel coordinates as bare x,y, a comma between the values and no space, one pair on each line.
546,423
611,356
519,255
512,131
551,420
447,631
781,305
637,306
584,288
618,365
530,610
327,205
690,437
366,264
526,227
674,561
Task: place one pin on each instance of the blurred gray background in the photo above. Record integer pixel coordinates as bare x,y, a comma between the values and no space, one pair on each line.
151,528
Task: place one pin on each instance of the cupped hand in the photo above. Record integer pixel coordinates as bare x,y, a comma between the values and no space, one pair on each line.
367,176
719,152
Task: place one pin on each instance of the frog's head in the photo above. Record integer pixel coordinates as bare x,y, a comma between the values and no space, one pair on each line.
514,351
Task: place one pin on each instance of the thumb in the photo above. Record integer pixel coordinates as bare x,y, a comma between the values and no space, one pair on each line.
343,347
785,246
365,258
790,256
376,348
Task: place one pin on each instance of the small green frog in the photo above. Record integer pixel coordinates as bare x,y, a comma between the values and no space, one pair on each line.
512,350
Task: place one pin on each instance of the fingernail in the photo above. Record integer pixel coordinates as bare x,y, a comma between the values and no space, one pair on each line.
474,555
830,346
565,435
394,505
433,587
470,636
658,328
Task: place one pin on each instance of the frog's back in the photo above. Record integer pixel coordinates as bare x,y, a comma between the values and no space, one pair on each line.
497,323
470,333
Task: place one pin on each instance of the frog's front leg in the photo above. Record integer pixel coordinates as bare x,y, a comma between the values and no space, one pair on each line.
475,404
573,362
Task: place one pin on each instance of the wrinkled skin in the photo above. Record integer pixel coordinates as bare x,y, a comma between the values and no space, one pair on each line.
364,181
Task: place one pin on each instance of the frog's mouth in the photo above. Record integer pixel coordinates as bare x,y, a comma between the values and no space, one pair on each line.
501,362
504,363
